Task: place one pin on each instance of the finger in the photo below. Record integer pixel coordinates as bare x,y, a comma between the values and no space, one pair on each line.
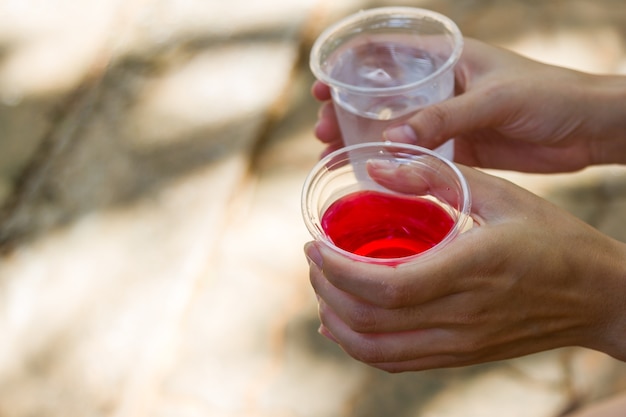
422,175
347,305
428,175
359,315
462,353
320,91
385,286
466,307
327,128
436,124
388,347
331,148
455,310
412,365
326,333
491,196
426,348
422,364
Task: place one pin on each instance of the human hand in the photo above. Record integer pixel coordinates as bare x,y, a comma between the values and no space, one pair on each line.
327,127
510,112
527,277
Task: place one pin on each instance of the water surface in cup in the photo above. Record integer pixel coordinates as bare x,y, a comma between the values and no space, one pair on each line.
409,202
382,225
380,62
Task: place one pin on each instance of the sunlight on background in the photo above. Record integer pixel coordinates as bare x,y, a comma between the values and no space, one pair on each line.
165,273
598,51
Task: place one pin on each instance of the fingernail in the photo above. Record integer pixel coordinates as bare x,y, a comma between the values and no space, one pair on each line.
402,133
327,334
313,254
381,165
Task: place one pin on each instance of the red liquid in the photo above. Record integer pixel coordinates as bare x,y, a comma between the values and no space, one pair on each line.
378,225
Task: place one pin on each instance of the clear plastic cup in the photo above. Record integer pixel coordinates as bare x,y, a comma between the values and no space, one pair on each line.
383,65
415,192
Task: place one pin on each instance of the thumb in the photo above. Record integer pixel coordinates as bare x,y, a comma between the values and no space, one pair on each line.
431,126
490,195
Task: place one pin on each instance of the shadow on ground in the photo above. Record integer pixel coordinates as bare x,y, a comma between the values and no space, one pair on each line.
86,159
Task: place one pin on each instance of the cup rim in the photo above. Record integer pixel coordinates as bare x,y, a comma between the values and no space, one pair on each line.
318,235
392,11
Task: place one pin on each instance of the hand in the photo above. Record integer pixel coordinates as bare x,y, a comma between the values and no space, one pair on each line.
527,277
327,128
510,112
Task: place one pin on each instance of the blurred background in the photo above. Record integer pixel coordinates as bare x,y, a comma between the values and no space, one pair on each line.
151,158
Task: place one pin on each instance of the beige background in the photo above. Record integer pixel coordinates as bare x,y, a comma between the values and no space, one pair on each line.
151,159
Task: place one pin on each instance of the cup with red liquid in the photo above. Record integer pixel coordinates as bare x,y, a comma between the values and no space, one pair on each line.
383,65
411,203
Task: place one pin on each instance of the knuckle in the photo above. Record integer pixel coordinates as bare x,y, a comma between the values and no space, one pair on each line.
439,116
363,319
469,347
369,352
473,342
434,118
393,296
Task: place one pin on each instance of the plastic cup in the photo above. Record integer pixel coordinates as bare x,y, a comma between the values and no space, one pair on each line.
383,65
435,181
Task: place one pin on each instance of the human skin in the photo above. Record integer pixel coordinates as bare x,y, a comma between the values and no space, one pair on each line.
510,112
527,277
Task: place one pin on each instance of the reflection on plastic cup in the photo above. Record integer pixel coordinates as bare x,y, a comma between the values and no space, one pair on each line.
412,203
383,65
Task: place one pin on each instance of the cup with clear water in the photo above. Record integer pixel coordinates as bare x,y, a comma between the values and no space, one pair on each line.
383,65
